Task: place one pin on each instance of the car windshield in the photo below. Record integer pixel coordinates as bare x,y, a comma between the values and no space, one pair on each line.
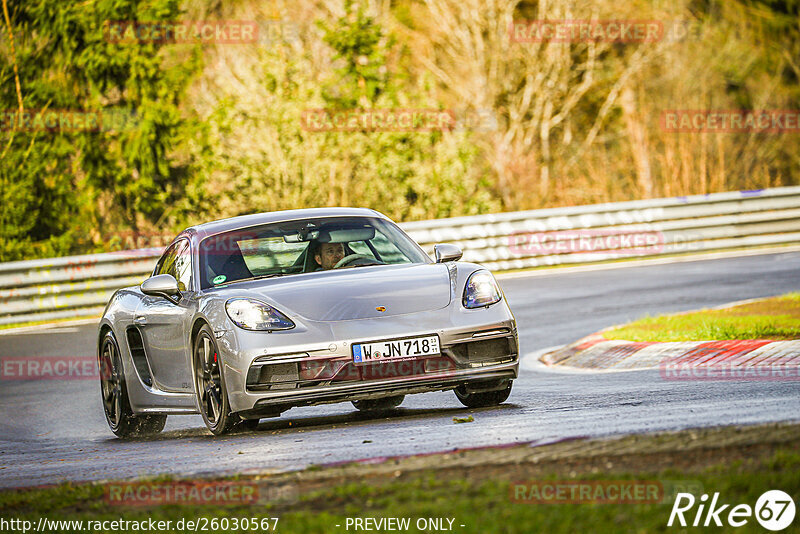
293,247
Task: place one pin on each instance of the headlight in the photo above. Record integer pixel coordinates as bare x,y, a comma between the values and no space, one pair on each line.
481,290
254,315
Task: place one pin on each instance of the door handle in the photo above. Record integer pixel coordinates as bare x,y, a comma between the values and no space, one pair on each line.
141,320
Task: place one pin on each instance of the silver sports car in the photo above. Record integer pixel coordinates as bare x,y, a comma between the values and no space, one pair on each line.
247,317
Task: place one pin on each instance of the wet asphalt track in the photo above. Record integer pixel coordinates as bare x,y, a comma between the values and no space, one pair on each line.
54,430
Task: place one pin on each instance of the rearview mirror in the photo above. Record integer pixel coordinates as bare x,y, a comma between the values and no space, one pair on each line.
345,235
161,285
447,252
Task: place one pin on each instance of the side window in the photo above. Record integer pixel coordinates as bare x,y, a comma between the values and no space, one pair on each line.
167,260
183,266
177,261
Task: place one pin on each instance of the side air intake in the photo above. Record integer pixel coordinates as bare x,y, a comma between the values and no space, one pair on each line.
136,345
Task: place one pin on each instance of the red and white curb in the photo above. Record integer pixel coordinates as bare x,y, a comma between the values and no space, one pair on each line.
689,360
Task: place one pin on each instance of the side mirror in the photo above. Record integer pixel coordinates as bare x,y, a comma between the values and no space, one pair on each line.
161,285
447,252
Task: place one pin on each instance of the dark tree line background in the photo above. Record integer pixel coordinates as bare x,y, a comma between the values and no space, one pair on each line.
205,131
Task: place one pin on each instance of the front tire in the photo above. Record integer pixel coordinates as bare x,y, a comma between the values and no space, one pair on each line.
116,406
482,399
212,395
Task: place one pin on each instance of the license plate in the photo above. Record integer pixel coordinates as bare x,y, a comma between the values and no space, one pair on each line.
396,349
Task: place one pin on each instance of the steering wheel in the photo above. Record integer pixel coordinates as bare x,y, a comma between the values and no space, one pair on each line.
347,260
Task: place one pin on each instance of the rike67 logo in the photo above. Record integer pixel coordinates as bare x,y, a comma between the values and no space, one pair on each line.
774,511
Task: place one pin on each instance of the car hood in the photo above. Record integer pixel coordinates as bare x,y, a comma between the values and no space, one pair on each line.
359,293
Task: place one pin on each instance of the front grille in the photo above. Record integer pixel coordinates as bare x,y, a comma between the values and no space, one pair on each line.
264,376
273,376
278,372
487,350
407,368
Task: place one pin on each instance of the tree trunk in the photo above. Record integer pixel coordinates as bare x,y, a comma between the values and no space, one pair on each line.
638,137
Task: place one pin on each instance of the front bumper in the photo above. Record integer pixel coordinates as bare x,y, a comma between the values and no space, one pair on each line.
267,374
493,377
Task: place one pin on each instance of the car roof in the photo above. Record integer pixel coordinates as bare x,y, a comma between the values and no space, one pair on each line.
201,231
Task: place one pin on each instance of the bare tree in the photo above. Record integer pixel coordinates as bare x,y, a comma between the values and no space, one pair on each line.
536,86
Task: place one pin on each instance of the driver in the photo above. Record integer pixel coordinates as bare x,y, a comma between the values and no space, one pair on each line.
329,254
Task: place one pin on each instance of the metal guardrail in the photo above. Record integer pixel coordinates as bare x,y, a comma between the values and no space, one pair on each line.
80,286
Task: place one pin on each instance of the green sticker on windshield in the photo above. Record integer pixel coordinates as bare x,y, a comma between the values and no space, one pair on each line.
219,279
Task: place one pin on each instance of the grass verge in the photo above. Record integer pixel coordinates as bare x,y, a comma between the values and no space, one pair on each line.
775,318
474,488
